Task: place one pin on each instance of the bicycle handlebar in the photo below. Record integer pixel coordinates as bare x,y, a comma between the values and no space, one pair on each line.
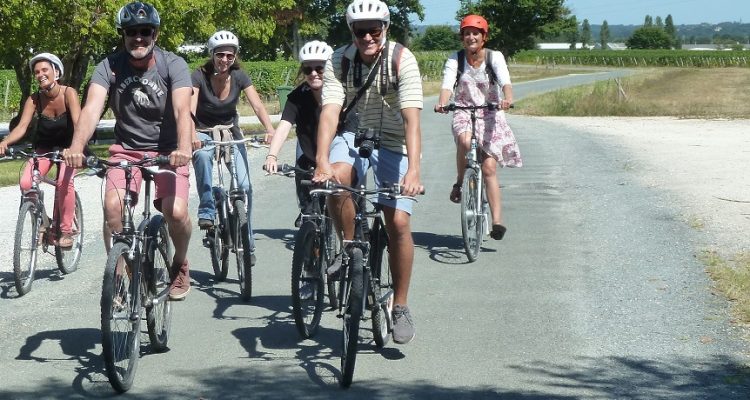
391,190
100,164
289,170
54,156
487,106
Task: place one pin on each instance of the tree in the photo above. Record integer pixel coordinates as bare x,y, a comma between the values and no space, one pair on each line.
573,35
648,21
659,23
604,35
437,37
515,24
671,31
649,37
585,33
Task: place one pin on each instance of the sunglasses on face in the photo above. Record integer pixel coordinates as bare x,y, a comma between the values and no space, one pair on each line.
143,32
308,70
373,32
228,56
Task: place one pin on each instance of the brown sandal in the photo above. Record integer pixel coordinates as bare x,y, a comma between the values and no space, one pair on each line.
456,193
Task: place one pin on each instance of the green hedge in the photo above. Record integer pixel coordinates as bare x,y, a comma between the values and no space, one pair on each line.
266,75
637,58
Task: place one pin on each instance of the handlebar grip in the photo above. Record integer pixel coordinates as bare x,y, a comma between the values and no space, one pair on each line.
10,152
161,160
306,182
92,161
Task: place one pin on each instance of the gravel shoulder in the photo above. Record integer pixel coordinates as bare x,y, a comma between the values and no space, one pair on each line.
703,163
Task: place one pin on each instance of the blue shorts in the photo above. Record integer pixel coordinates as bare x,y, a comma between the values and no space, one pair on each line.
389,167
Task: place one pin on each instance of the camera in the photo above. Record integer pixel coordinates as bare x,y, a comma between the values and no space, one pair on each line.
366,140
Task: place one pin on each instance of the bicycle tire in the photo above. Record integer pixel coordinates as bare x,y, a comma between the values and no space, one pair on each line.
353,298
159,316
67,259
120,332
382,284
217,245
244,255
332,250
26,247
471,227
307,275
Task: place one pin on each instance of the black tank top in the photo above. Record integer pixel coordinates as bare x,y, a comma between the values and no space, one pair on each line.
53,131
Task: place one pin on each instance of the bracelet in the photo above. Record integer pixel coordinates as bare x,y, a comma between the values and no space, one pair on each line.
271,155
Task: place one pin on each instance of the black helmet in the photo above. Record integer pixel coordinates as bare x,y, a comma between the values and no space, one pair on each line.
137,13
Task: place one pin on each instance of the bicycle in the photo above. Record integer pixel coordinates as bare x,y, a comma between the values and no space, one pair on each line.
316,250
475,210
230,231
35,229
363,285
137,277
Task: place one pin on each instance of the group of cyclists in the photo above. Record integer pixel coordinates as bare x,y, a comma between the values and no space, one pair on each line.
370,84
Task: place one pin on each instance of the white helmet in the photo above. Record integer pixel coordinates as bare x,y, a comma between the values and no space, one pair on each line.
223,38
367,10
52,59
315,51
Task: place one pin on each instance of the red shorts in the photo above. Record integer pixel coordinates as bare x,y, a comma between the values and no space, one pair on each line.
167,185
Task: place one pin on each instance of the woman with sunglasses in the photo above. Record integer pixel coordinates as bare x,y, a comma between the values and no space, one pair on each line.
303,110
217,87
57,110
475,87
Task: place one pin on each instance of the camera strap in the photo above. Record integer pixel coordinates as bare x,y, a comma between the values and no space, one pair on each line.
361,91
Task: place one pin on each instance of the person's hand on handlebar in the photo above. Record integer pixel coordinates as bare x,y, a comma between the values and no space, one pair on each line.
179,158
3,147
74,157
440,108
410,185
505,104
323,173
271,165
195,142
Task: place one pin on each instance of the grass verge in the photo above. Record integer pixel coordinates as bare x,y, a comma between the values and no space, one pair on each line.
10,170
683,93
732,278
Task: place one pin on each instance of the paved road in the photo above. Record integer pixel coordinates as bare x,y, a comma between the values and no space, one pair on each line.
594,293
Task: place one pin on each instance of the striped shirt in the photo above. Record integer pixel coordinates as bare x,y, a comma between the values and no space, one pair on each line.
381,113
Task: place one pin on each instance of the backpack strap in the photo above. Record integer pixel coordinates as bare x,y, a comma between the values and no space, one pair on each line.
487,67
398,48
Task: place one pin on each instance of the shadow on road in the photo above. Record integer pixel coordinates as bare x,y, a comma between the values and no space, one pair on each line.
445,249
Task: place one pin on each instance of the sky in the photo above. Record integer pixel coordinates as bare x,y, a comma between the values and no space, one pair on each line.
621,12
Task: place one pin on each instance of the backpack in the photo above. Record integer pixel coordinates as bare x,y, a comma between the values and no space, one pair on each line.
487,67
398,48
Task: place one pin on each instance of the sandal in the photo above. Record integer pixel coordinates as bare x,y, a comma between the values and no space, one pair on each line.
498,231
456,193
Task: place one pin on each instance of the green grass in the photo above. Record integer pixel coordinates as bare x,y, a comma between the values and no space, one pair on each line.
732,278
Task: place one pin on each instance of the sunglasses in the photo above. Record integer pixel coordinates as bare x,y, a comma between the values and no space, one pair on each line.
373,32
228,56
143,32
308,70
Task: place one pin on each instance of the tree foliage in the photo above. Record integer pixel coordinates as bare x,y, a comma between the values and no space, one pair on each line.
437,37
649,37
604,35
515,24
585,33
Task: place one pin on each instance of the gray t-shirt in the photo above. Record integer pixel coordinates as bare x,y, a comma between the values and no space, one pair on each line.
212,111
142,100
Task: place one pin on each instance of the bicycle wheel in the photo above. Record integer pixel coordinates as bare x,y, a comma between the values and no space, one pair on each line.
307,280
244,255
471,224
159,315
332,255
67,259
26,247
353,301
382,286
217,245
120,322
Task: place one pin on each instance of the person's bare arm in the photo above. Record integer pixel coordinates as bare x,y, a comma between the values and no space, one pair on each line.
329,120
411,182
277,141
23,125
72,102
185,130
193,108
86,124
260,111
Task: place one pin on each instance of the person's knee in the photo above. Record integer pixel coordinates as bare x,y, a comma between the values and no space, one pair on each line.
176,210
489,169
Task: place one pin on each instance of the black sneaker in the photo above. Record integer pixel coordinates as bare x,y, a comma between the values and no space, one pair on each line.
205,223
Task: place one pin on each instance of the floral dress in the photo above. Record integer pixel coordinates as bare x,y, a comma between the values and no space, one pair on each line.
496,137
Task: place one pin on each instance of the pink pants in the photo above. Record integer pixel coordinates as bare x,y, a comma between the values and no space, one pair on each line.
65,195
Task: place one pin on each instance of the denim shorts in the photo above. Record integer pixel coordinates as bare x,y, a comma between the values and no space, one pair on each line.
389,167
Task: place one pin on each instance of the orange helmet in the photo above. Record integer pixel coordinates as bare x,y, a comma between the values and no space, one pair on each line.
475,21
